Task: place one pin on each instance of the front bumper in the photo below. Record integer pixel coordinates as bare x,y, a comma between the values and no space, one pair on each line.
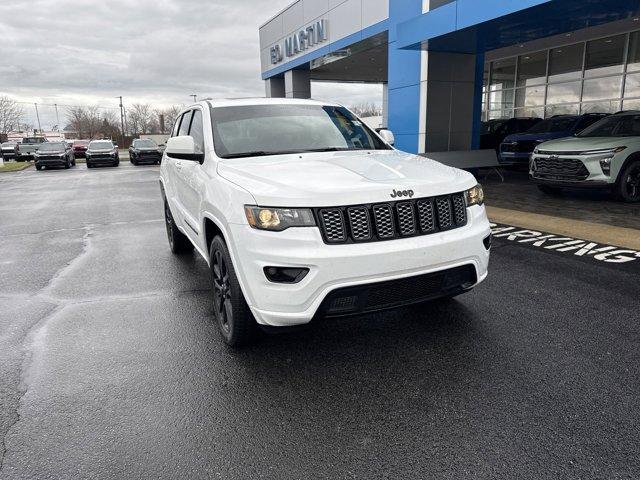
50,162
102,160
590,174
513,158
333,267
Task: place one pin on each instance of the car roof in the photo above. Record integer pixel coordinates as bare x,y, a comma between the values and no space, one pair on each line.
231,102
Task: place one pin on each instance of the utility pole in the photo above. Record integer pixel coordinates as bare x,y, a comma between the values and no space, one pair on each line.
38,117
57,117
121,118
194,97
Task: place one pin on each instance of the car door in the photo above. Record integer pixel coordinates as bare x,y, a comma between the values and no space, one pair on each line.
192,173
177,184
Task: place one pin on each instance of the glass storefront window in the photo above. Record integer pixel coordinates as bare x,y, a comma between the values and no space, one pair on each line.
565,63
604,56
631,104
532,69
501,99
552,110
529,112
495,114
611,106
503,73
633,58
530,96
632,85
601,88
564,93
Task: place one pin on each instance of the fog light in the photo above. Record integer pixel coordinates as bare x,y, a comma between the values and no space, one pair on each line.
285,274
605,165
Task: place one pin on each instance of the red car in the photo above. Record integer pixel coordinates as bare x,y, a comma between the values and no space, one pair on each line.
80,148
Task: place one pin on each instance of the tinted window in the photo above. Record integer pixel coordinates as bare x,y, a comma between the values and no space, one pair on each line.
52,147
197,132
144,144
585,122
634,52
558,124
565,63
101,145
184,123
503,73
176,125
277,129
604,56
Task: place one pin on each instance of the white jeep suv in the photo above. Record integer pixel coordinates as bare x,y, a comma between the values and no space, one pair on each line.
303,212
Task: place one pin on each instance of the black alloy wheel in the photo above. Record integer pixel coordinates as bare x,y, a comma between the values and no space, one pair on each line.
233,316
629,184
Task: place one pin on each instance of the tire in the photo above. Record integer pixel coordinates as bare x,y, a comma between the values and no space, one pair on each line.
627,187
67,165
135,164
549,190
178,241
89,165
232,314
38,167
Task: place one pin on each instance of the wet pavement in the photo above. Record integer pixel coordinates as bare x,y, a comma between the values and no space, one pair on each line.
110,365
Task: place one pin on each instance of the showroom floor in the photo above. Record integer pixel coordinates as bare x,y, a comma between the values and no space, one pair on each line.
110,365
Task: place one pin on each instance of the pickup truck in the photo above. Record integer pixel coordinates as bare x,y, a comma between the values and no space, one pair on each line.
29,147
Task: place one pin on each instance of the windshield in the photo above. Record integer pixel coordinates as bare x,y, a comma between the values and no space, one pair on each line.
81,142
144,144
32,140
557,124
9,144
101,145
252,130
52,147
615,126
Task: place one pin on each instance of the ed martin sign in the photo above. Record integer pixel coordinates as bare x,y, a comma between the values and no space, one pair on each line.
299,42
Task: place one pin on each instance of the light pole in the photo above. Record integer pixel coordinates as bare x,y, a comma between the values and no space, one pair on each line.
57,117
195,97
38,117
121,118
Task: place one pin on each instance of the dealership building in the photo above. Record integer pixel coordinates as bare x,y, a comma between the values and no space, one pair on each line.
447,66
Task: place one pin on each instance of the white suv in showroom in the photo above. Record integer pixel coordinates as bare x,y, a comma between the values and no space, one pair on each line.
303,212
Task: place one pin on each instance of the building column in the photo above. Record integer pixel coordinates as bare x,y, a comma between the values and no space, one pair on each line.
385,105
297,84
274,87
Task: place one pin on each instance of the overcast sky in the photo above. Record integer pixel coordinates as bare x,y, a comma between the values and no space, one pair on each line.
74,52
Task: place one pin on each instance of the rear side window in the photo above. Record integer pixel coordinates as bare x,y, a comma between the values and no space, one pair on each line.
585,122
184,123
197,131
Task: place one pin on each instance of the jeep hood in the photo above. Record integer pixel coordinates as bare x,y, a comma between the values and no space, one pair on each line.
341,178
578,144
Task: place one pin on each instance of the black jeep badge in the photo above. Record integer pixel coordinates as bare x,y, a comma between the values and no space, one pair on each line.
402,193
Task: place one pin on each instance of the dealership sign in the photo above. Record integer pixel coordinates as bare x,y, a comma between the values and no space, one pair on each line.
300,41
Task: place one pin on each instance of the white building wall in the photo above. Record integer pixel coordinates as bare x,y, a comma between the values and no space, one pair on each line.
345,17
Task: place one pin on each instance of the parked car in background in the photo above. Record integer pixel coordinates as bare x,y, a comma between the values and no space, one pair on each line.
516,149
102,152
494,131
10,150
28,148
604,155
301,210
54,154
80,148
145,151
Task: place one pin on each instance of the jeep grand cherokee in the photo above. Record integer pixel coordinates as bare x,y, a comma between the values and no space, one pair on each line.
302,211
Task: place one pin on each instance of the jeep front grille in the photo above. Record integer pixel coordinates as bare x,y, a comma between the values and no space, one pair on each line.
386,221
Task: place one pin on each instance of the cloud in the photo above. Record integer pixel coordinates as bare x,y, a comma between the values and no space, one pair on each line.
72,52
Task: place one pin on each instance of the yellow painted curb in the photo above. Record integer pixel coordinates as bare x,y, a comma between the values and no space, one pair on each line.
595,232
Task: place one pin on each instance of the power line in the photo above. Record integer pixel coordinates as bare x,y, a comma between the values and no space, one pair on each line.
69,106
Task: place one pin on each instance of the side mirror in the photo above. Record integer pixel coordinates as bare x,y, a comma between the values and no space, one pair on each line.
387,136
183,148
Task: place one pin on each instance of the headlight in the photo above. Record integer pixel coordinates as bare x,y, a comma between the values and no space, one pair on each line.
278,219
474,196
604,151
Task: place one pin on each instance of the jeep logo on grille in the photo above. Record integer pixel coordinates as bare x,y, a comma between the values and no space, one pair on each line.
401,193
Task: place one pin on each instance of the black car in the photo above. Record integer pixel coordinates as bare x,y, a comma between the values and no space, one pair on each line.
495,131
102,152
145,151
10,150
54,154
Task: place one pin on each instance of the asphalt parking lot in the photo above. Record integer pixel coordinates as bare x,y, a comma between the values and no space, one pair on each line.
110,365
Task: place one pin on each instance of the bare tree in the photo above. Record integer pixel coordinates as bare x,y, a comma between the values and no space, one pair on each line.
140,118
86,121
11,114
366,109
170,115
